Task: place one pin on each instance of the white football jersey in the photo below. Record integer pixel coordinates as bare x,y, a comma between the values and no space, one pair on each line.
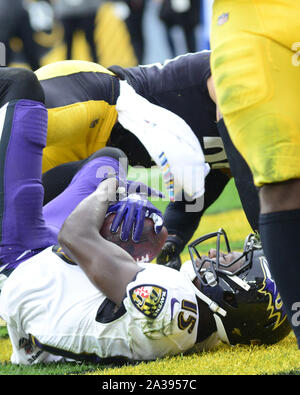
51,307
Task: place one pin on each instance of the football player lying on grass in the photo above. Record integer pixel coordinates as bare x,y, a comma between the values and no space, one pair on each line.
88,299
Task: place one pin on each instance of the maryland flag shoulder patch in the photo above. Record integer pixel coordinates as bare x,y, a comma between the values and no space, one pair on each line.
148,299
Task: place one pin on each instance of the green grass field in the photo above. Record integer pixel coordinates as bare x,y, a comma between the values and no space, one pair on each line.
280,359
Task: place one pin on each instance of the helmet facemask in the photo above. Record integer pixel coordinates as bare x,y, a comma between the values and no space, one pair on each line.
233,291
208,270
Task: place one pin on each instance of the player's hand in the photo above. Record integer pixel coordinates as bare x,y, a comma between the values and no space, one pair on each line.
170,256
131,212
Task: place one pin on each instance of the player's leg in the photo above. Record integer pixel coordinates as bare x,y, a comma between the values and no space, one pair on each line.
56,180
190,38
279,226
243,178
30,47
69,25
89,174
23,128
256,83
88,24
181,224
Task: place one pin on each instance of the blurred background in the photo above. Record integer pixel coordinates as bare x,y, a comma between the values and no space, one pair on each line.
123,32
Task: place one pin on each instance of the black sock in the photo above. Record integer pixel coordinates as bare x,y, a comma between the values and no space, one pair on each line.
280,235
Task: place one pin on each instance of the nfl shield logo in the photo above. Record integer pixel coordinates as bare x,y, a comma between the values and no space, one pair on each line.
223,18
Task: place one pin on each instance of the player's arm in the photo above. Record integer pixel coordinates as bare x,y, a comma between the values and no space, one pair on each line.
182,221
108,266
168,139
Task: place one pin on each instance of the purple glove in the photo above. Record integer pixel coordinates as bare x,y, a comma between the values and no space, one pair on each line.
133,210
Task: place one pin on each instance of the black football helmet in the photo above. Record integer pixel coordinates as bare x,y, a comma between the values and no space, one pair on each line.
245,302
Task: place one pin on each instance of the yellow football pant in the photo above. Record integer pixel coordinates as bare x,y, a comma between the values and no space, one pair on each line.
256,69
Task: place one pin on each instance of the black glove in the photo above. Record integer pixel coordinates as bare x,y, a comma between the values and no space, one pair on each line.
170,253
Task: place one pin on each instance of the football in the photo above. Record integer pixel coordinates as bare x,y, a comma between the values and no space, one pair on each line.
146,249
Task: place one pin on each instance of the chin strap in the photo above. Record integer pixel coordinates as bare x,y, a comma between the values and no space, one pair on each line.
217,311
188,270
213,306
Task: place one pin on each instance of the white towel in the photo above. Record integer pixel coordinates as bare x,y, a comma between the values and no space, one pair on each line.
168,139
